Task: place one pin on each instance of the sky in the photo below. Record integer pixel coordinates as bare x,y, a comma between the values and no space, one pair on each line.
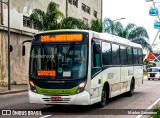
135,11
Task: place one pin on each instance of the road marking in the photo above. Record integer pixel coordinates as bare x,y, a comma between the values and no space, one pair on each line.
139,116
45,116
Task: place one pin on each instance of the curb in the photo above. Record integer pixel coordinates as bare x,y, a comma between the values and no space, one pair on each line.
13,91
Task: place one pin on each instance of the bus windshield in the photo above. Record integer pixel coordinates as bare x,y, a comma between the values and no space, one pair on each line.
67,61
153,70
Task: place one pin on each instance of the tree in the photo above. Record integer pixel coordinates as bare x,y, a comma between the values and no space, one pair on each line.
48,20
131,32
73,23
96,25
70,23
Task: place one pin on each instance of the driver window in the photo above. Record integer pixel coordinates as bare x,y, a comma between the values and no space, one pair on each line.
96,56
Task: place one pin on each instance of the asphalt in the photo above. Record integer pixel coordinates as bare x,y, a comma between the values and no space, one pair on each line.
143,98
14,89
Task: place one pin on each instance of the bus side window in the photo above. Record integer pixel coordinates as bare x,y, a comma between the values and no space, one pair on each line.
96,57
96,53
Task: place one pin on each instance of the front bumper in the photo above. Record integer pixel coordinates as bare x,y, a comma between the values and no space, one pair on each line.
77,99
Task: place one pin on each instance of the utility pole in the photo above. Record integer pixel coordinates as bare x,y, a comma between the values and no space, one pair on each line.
66,8
9,78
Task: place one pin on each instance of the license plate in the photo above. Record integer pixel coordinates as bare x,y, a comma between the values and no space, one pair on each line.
56,98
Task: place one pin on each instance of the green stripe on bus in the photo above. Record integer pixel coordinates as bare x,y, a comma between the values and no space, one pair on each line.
57,92
102,79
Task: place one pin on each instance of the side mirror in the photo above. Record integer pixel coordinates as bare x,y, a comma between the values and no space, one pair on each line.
11,48
23,50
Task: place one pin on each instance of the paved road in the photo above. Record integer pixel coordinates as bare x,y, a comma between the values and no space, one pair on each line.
144,96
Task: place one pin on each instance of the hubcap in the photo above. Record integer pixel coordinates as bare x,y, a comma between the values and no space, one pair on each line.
103,96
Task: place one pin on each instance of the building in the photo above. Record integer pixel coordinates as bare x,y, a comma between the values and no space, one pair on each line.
23,29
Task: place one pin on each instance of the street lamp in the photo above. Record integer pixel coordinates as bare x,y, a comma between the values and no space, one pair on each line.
118,19
9,48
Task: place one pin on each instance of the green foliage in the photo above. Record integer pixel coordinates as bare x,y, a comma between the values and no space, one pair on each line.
157,110
96,25
73,23
48,20
145,62
2,83
151,64
131,31
14,82
70,23
145,73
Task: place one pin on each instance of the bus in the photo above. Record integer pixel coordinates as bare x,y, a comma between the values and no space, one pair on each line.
82,67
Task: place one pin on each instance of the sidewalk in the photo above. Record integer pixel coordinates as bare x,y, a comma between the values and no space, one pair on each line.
14,89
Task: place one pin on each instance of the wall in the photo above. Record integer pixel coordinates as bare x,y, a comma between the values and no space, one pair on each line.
19,64
25,7
73,11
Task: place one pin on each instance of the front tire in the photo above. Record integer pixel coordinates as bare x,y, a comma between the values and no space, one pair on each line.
131,91
102,103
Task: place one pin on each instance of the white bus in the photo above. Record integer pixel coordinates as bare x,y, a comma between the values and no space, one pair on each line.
80,67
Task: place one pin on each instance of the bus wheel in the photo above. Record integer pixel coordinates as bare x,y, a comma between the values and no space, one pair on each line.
102,103
148,78
131,91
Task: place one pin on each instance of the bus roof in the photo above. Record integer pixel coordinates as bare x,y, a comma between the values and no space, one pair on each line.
63,30
104,36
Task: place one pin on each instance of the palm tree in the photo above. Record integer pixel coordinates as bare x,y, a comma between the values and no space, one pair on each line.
96,25
73,23
131,32
48,20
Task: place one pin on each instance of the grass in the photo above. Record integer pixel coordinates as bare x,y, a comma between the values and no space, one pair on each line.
145,73
157,109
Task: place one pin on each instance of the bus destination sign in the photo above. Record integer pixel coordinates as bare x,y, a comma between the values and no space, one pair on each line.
61,38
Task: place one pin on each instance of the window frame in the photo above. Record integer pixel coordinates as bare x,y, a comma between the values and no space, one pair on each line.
140,49
126,55
27,20
100,43
75,3
118,54
83,7
70,2
137,63
102,53
88,9
95,13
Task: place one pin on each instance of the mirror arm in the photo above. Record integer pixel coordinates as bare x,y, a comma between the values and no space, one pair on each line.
26,41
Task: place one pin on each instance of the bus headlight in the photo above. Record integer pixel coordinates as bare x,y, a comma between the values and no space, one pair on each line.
32,86
81,87
156,75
